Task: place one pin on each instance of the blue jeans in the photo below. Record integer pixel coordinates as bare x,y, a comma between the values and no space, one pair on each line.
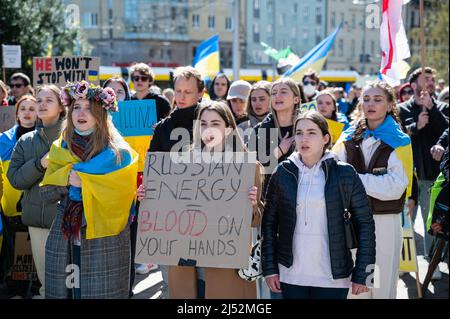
302,292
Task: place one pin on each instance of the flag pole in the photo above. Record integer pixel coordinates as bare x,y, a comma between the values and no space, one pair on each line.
422,45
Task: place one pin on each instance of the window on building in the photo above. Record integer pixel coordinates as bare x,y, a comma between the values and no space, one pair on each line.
294,32
256,8
333,19
352,48
305,13
211,22
318,15
228,23
269,28
305,34
269,5
256,32
342,17
196,21
353,21
295,7
341,47
90,20
282,19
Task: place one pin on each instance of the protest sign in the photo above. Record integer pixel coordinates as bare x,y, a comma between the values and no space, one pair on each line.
195,213
408,257
310,106
62,69
135,121
12,56
7,117
23,267
335,129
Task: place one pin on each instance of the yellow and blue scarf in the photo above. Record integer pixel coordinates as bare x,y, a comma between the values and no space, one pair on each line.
11,195
390,133
108,188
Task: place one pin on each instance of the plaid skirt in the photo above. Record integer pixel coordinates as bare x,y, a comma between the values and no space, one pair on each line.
104,272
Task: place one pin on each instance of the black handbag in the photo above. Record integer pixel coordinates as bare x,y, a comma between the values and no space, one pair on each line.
351,238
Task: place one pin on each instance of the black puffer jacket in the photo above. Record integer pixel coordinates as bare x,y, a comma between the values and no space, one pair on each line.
280,216
182,119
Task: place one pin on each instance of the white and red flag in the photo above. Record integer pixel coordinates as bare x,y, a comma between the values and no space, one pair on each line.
393,42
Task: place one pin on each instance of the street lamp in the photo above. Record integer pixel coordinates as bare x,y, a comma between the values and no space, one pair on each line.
363,42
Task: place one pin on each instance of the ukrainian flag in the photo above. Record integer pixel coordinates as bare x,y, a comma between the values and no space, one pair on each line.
314,59
108,191
93,76
11,195
390,133
206,59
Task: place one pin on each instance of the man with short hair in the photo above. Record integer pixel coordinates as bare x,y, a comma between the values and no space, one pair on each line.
425,119
143,78
20,85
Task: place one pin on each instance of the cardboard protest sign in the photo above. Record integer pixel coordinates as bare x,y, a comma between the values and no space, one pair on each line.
408,257
7,117
135,121
12,56
62,69
310,106
336,129
23,267
195,213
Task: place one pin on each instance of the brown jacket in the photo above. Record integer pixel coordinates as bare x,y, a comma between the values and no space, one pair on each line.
220,283
378,165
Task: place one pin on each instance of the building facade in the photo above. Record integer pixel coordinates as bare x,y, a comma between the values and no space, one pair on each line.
357,45
294,23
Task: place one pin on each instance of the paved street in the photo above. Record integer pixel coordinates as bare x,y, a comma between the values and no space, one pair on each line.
150,286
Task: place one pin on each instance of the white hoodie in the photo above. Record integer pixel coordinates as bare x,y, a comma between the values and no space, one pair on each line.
311,265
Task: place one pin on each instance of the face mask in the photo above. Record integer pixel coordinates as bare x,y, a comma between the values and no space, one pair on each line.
309,90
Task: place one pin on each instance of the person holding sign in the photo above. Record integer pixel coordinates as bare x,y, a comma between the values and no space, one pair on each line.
382,155
304,251
92,174
327,106
27,168
215,133
285,102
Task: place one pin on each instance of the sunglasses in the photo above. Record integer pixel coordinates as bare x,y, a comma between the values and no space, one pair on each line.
143,78
410,92
16,85
309,82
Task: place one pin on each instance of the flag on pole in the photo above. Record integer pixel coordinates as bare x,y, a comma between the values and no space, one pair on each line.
206,59
314,59
393,43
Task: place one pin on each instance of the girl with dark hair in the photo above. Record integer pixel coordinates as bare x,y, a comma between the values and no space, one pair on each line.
218,90
120,87
304,251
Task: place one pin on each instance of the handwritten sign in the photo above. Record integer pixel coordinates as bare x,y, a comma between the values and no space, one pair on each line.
62,69
408,257
135,118
310,106
23,267
135,121
195,213
12,56
7,117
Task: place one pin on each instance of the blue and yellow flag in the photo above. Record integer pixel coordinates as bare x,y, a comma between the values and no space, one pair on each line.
11,195
108,188
314,59
207,60
390,133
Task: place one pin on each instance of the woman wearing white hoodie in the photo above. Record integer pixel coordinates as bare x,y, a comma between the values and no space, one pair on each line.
304,252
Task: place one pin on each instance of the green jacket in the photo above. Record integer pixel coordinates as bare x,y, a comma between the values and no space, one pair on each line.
26,172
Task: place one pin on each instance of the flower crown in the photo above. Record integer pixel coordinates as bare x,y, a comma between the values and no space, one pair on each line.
84,90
